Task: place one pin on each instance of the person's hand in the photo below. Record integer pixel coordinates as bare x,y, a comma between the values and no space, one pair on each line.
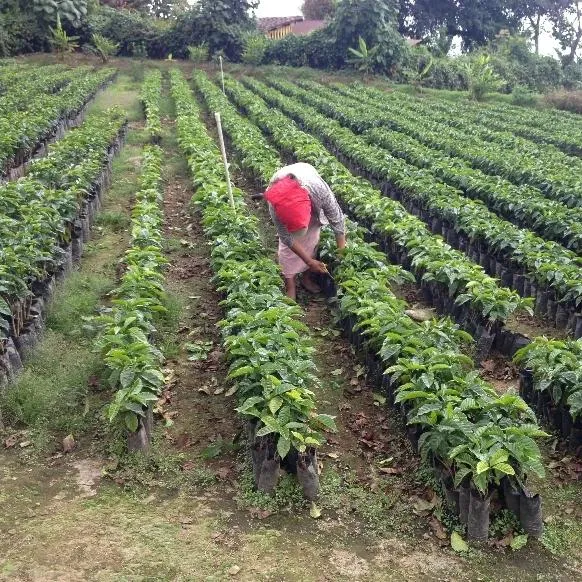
317,267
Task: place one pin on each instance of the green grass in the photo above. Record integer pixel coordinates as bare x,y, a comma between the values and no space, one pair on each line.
167,337
124,93
49,394
75,299
114,219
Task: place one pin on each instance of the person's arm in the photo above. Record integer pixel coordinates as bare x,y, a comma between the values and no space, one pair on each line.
313,264
284,234
333,213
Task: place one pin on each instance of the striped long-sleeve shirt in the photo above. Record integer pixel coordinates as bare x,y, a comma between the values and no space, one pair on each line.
324,206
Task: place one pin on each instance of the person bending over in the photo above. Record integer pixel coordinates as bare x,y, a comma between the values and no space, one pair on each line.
300,202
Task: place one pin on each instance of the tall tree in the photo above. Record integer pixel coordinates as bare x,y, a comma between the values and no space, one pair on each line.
318,9
161,8
376,22
533,13
566,19
73,11
224,23
475,21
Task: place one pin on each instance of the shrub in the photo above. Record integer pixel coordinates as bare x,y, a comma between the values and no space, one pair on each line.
135,34
566,100
523,96
573,76
21,33
287,51
254,51
198,54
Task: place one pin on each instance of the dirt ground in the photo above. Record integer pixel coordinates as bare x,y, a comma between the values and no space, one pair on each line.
187,511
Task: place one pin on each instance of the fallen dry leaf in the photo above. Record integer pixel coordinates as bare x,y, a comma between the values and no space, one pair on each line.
188,466
11,441
390,471
223,473
233,571
437,528
69,444
488,365
184,520
422,506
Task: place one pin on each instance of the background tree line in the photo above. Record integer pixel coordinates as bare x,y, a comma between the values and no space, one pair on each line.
157,28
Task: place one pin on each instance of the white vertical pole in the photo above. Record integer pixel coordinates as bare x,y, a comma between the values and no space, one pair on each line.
222,74
224,159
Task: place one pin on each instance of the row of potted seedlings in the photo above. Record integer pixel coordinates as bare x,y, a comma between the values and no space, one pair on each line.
126,328
509,343
555,179
26,86
482,445
23,133
44,221
456,419
449,280
522,260
551,381
151,96
267,346
501,131
523,205
544,127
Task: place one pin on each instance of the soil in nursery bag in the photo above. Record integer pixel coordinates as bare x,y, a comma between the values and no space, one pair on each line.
307,474
464,503
530,513
269,465
478,518
511,496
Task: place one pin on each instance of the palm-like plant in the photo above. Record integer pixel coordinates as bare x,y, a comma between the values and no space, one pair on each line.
363,57
61,42
481,77
104,47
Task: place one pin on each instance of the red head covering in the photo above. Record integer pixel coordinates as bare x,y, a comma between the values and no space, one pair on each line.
291,203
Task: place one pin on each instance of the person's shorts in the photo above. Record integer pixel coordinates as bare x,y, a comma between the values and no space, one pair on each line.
291,264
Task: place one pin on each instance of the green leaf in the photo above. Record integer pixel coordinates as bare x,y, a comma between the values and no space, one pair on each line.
458,543
242,371
126,377
519,542
505,468
275,404
379,398
266,430
131,421
482,466
327,420
283,447
314,512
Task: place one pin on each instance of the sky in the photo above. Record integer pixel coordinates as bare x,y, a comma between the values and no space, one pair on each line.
279,8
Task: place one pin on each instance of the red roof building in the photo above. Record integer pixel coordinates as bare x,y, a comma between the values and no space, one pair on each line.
280,27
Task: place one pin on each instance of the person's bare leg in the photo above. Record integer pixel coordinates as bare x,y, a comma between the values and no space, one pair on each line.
291,287
309,284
